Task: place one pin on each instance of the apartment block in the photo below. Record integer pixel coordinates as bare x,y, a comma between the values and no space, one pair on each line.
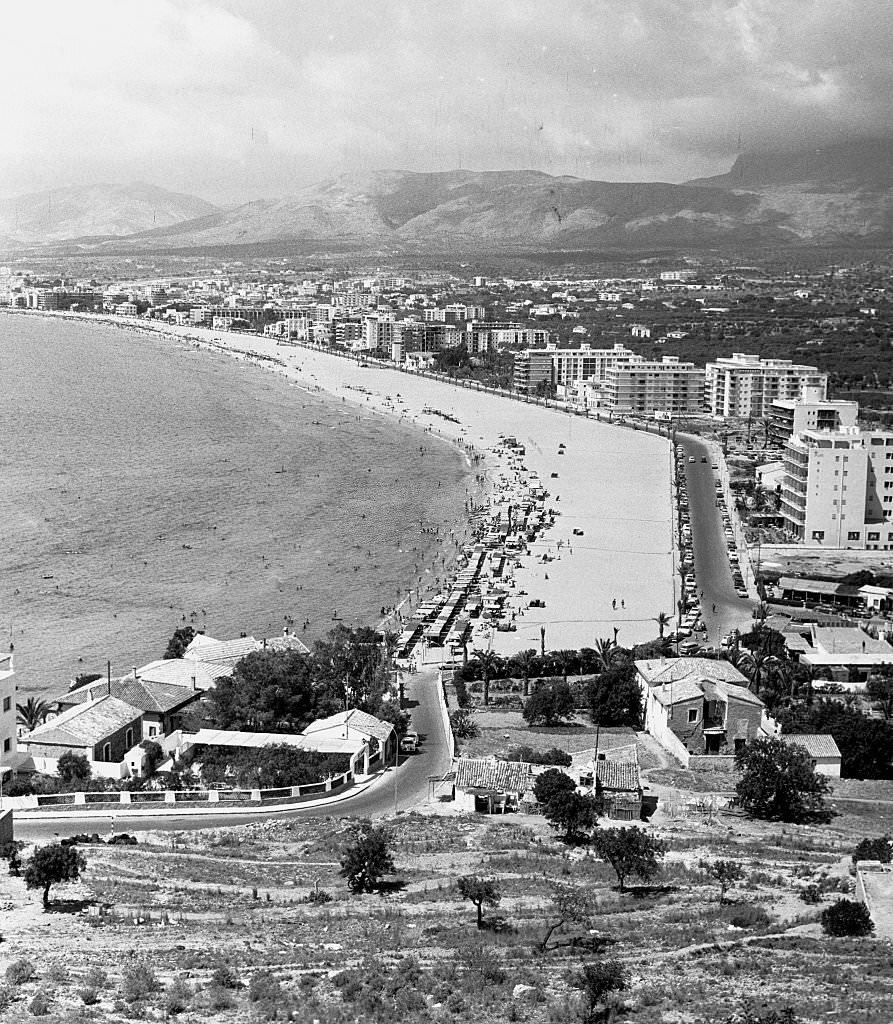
665,388
746,385
837,488
791,416
558,367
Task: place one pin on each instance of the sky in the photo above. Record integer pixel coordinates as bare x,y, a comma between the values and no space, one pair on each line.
237,99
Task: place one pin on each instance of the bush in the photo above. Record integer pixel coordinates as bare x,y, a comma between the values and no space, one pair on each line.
39,1005
96,978
177,997
19,971
847,918
137,983
88,995
748,916
873,849
226,977
367,858
529,755
264,988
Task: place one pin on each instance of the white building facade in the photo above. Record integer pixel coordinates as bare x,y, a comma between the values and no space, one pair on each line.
746,385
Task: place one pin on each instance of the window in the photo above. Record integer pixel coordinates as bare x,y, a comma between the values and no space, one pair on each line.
128,738
7,703
7,746
874,536
106,752
818,534
692,715
853,535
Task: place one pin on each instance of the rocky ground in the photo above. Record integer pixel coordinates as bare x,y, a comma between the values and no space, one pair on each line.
215,926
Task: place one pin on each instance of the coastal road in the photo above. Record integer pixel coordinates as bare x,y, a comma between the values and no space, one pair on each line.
712,571
408,787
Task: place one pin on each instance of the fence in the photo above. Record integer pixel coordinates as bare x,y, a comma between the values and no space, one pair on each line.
126,800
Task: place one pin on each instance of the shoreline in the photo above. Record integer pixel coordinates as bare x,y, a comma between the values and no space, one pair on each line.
602,548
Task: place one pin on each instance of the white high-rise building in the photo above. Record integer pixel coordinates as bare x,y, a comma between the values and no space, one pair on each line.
837,489
746,385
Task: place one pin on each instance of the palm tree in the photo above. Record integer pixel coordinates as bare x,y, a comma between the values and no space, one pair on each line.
565,659
605,653
32,713
758,666
663,619
525,661
488,660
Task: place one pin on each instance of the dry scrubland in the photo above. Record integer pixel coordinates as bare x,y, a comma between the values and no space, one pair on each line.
186,905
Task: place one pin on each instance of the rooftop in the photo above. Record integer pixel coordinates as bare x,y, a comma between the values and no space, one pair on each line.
85,725
157,698
488,773
816,744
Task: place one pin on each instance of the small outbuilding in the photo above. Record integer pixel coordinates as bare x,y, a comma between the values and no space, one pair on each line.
826,758
490,786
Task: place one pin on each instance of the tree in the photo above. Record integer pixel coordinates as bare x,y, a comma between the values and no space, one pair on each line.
571,813
570,905
269,691
606,653
847,918
525,660
347,665
176,646
487,661
550,783
874,849
49,865
154,755
555,755
758,666
74,769
630,851
597,981
32,713
480,891
549,704
463,724
366,858
390,711
663,619
779,782
565,658
726,873
614,697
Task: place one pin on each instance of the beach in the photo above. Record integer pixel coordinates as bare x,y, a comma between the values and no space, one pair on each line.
612,484
610,553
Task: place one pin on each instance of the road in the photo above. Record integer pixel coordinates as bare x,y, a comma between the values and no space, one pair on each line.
712,571
409,788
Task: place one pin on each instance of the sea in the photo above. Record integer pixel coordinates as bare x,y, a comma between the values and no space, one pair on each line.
146,484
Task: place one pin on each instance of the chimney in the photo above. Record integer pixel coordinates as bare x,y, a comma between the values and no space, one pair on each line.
194,683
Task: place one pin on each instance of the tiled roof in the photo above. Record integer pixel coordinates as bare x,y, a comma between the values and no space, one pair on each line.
486,773
656,671
86,724
678,692
359,721
179,672
817,744
618,769
221,652
158,698
740,693
287,642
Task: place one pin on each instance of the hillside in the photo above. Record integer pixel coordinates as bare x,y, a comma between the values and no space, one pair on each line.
836,194
99,210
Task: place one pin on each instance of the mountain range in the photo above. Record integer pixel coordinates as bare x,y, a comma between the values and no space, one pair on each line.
835,194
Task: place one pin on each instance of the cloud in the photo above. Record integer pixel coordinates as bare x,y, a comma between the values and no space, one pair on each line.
238,98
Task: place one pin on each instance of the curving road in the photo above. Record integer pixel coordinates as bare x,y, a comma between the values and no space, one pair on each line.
712,571
400,790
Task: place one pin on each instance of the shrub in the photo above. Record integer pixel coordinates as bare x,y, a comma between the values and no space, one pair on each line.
847,917
177,997
219,998
748,916
874,849
96,978
597,980
367,858
226,977
88,995
138,982
39,1005
19,971
812,894
264,988
555,756
58,975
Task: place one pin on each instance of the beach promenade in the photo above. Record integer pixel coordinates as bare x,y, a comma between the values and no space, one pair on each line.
612,484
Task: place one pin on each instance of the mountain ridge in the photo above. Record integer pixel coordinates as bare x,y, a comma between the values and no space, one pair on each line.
835,193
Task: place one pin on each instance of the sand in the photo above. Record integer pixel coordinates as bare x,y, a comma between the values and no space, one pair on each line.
613,484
